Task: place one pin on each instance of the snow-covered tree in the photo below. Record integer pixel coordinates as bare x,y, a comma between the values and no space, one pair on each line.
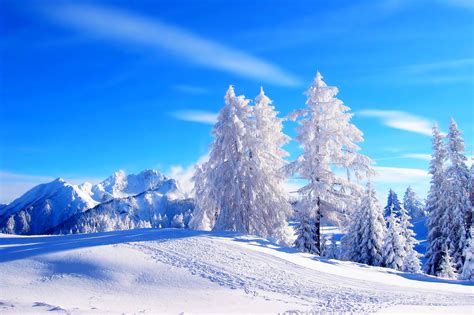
435,203
240,187
178,221
219,181
446,268
411,262
393,250
468,267
329,141
305,231
413,205
364,241
266,198
393,204
457,217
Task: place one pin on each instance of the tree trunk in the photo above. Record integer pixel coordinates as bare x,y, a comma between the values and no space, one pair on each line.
317,234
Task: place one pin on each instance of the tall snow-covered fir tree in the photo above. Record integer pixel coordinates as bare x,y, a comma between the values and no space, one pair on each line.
458,215
413,205
329,141
436,203
219,181
364,241
411,261
393,249
240,187
266,198
393,204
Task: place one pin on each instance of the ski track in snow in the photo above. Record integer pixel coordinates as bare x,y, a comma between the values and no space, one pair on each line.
228,266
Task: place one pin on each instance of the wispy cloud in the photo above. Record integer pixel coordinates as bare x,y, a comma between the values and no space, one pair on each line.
416,156
198,116
125,27
400,120
398,175
190,89
437,66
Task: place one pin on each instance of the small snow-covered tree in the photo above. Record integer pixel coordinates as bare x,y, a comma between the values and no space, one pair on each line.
468,267
446,268
436,203
305,231
178,221
365,237
207,210
413,205
393,250
411,262
328,140
457,217
393,204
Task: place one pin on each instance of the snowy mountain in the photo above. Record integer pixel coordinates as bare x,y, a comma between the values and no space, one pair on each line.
43,207
148,209
49,205
177,271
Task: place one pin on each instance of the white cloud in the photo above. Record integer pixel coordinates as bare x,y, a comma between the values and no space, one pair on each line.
196,116
418,156
124,27
184,175
399,175
400,120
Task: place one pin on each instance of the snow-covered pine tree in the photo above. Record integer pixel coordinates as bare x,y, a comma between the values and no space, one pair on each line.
368,232
411,261
468,267
435,204
218,181
446,268
329,141
413,205
458,214
266,198
393,250
240,187
393,204
305,231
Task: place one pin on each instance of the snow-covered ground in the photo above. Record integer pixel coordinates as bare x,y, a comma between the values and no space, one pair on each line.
174,271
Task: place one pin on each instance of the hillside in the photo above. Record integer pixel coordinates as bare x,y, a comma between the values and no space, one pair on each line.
170,270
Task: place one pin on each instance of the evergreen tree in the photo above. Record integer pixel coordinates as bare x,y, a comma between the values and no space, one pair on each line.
446,268
266,198
393,204
411,262
435,203
366,235
413,205
468,267
328,141
393,245
240,187
219,182
458,214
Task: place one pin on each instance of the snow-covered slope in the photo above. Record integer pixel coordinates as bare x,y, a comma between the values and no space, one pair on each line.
47,206
173,271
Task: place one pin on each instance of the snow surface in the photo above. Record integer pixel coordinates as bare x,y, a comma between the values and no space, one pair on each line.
176,270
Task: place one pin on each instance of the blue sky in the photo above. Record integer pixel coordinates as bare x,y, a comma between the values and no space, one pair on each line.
87,88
